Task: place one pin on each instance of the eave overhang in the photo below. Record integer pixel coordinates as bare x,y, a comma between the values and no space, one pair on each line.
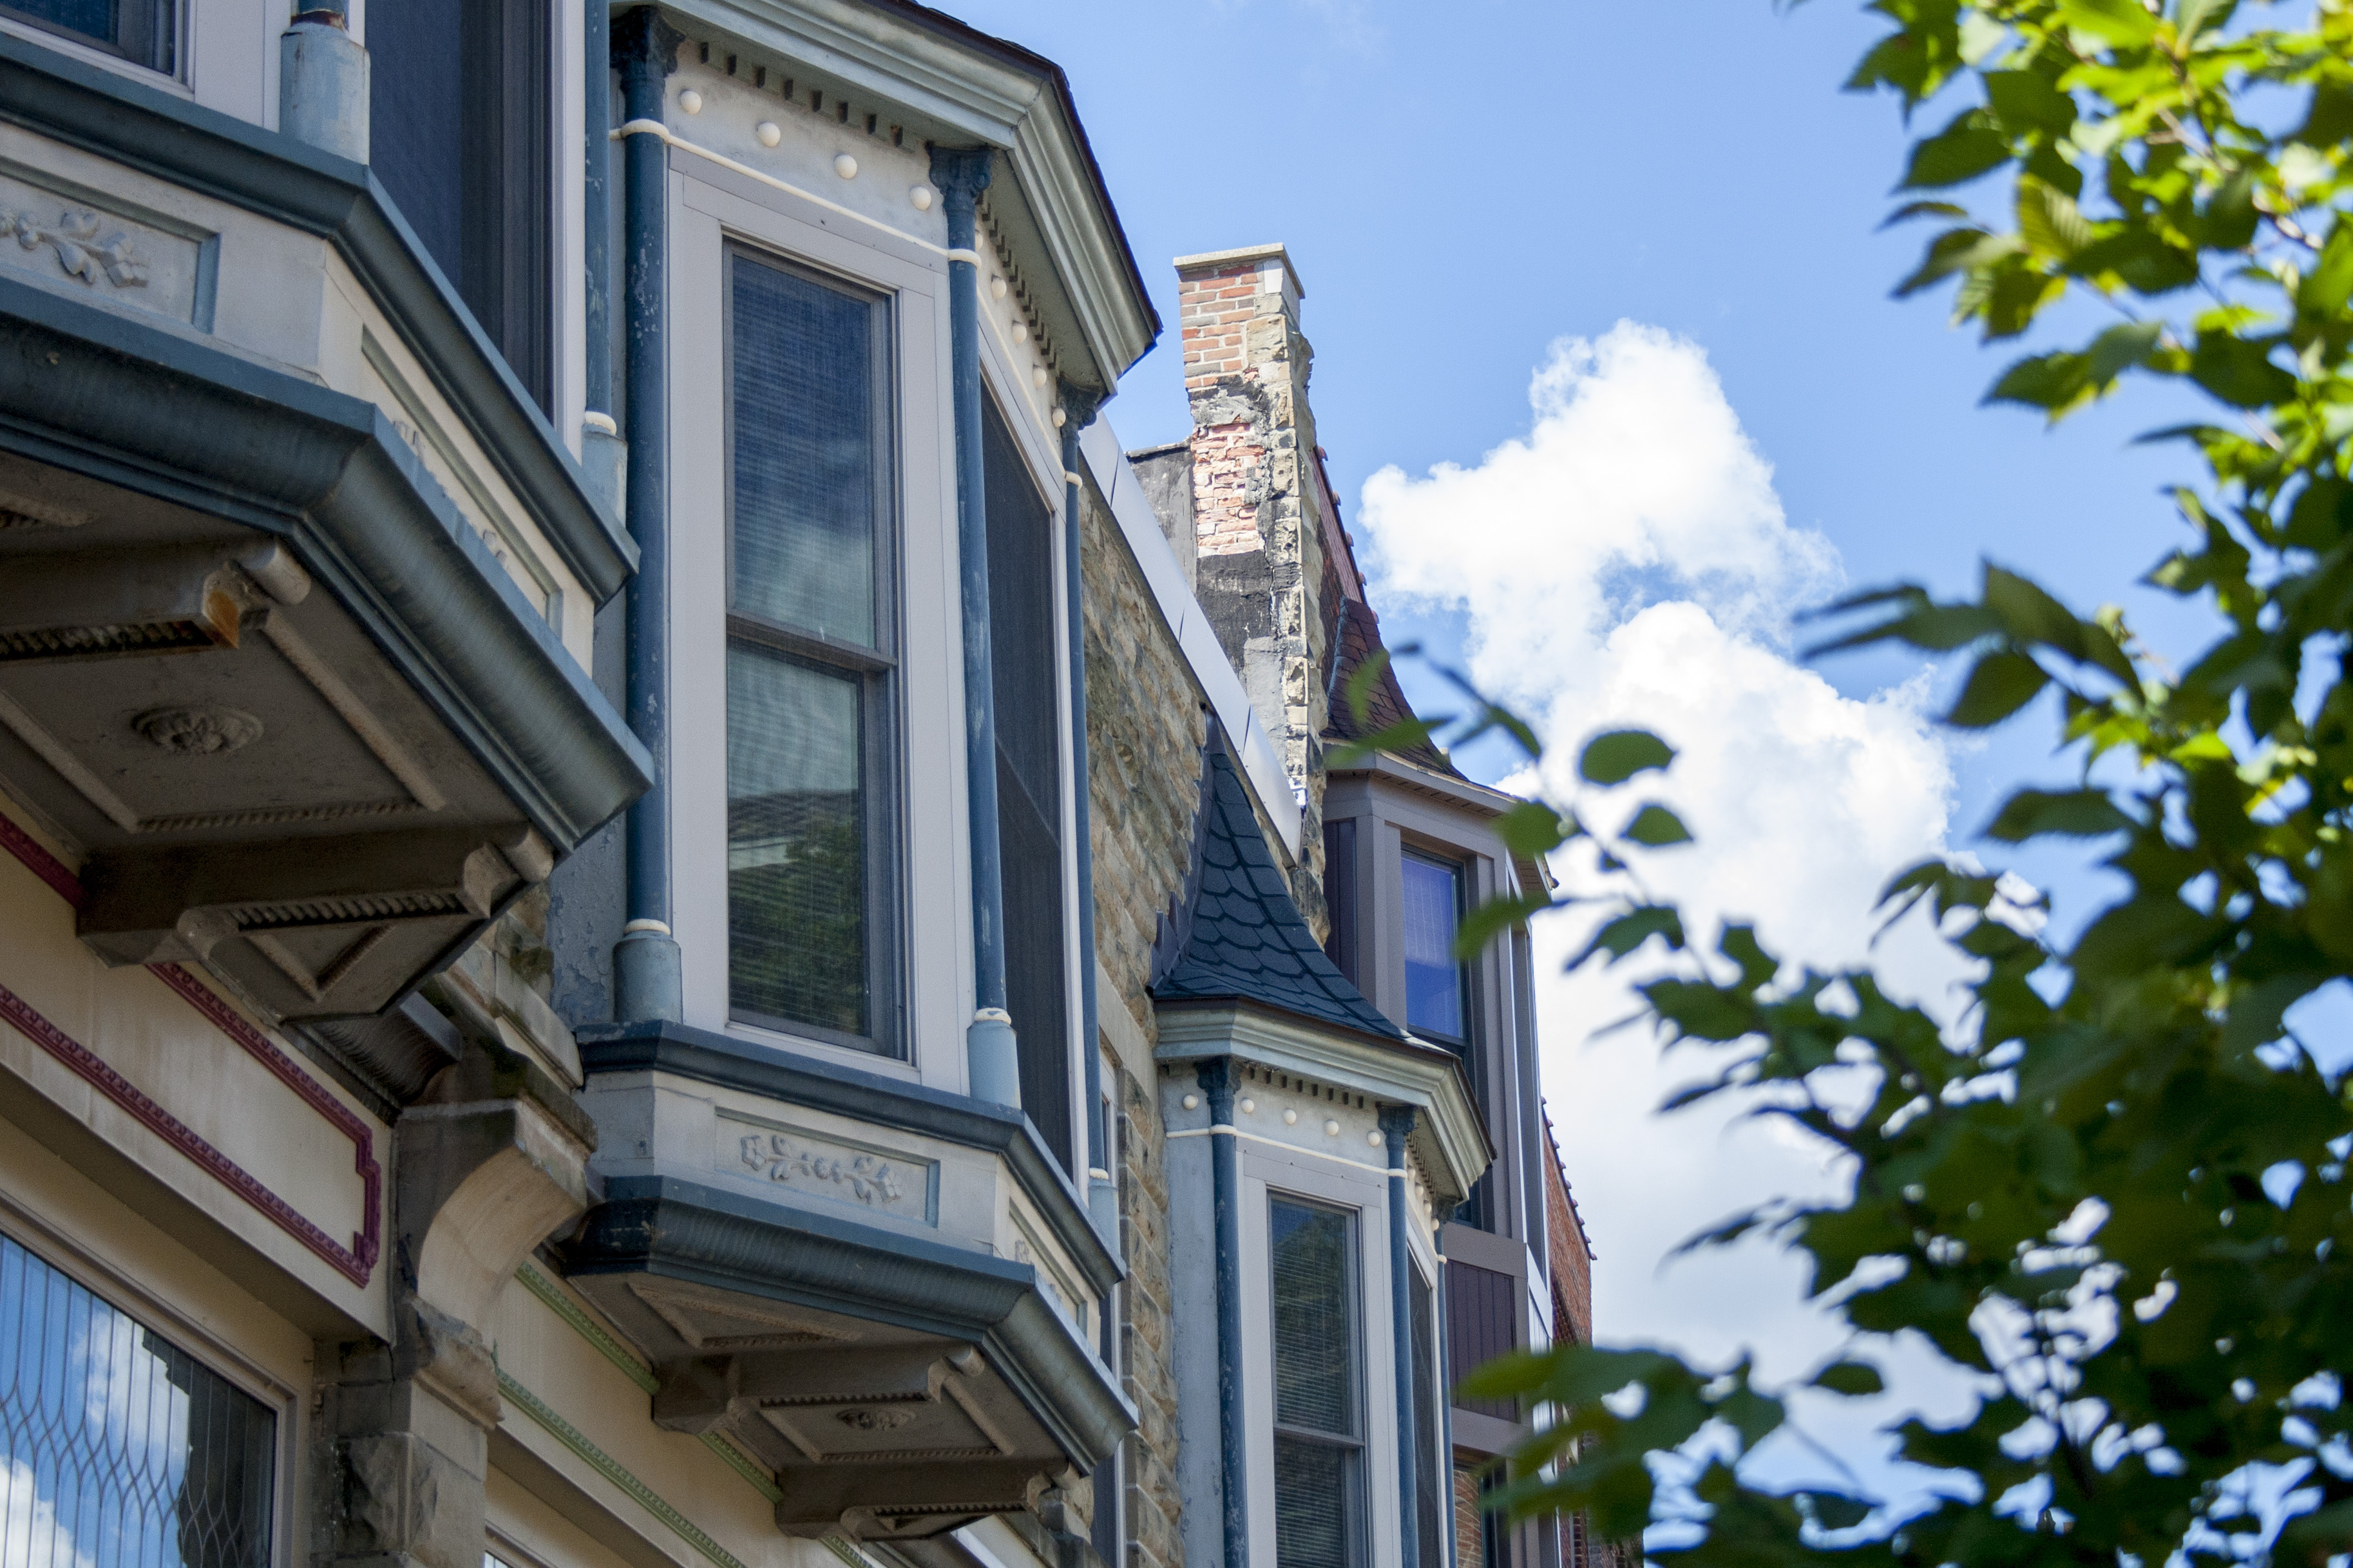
288,182
262,563
957,86
1449,1139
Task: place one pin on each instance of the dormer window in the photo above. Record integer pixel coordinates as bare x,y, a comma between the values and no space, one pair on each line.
811,813
141,31
1437,984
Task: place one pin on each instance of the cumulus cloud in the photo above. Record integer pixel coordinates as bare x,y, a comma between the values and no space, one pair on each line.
1627,563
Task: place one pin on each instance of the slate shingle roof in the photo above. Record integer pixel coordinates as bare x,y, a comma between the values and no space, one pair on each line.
1384,703
1241,938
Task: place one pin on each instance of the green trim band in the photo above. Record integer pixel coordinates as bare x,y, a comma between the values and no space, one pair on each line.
604,1465
553,1297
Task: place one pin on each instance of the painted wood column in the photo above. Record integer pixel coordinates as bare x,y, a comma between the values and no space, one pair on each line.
1216,1080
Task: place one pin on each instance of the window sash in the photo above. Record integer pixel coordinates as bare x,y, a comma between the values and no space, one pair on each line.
756,630
1437,983
144,32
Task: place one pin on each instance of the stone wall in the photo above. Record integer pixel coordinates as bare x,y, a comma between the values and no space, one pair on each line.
1145,725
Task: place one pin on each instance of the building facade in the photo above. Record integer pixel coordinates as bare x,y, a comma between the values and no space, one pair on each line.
658,909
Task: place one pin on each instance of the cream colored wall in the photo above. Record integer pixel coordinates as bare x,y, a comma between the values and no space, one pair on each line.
167,1051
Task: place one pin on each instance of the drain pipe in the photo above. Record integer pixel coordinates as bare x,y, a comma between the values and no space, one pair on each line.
1397,1123
1077,412
322,80
646,982
1217,1080
992,1055
604,460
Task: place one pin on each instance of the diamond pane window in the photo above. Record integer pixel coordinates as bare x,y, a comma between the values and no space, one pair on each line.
118,1449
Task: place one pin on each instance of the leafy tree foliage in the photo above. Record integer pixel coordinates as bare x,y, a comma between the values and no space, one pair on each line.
2114,1190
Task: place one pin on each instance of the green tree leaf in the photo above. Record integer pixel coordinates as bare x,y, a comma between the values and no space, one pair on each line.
1617,755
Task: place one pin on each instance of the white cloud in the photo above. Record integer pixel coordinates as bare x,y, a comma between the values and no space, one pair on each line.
1627,563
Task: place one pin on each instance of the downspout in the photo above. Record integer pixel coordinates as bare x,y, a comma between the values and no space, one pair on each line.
992,1055
1446,1389
1216,1080
1397,1122
1078,411
322,80
646,980
603,458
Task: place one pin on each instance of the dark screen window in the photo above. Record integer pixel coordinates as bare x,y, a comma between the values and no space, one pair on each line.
1318,1420
1023,587
141,31
118,1449
459,127
810,829
1434,978
1340,894
1429,1517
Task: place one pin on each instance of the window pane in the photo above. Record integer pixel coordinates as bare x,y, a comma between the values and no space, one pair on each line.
1314,1323
807,483
795,843
141,30
117,1449
1314,1506
1433,978
1428,1449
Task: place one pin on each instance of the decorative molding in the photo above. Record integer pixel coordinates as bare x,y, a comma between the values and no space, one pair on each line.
355,1262
205,731
80,250
870,1179
613,1470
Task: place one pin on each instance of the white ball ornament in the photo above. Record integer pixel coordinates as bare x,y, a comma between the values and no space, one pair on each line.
769,132
1374,1139
1021,332
1291,1119
996,288
1331,1129
845,165
1192,1103
691,101
922,196
1250,1107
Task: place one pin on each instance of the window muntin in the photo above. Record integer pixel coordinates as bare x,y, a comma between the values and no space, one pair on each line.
1437,984
811,805
1318,1387
1025,650
144,32
118,1449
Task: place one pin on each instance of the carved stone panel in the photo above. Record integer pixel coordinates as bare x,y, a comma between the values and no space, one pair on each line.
62,233
866,1176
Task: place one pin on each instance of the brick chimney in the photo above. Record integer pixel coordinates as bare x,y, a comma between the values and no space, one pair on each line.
1260,515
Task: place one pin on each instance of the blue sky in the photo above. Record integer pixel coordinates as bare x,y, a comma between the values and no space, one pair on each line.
1464,186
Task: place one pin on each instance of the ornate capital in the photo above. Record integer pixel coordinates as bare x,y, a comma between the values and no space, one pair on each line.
644,44
1078,405
961,173
1397,1126
1216,1078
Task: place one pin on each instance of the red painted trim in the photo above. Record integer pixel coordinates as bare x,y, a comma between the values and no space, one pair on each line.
355,1262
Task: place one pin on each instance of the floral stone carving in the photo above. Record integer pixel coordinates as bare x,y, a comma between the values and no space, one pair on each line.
868,1178
80,250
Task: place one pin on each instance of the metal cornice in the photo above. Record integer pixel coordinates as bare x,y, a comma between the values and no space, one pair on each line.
291,182
957,85
684,1230
706,1057
1449,1136
85,389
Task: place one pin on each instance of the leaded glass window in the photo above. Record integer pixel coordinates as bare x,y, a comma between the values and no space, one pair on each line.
118,1449
1435,988
811,829
145,32
1318,1395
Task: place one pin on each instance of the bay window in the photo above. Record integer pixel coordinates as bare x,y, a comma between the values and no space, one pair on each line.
1319,1439
811,808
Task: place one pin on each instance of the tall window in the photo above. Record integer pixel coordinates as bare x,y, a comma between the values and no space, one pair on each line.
1319,1448
118,1449
1340,894
458,124
1437,989
1429,1501
811,819
1025,655
144,32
